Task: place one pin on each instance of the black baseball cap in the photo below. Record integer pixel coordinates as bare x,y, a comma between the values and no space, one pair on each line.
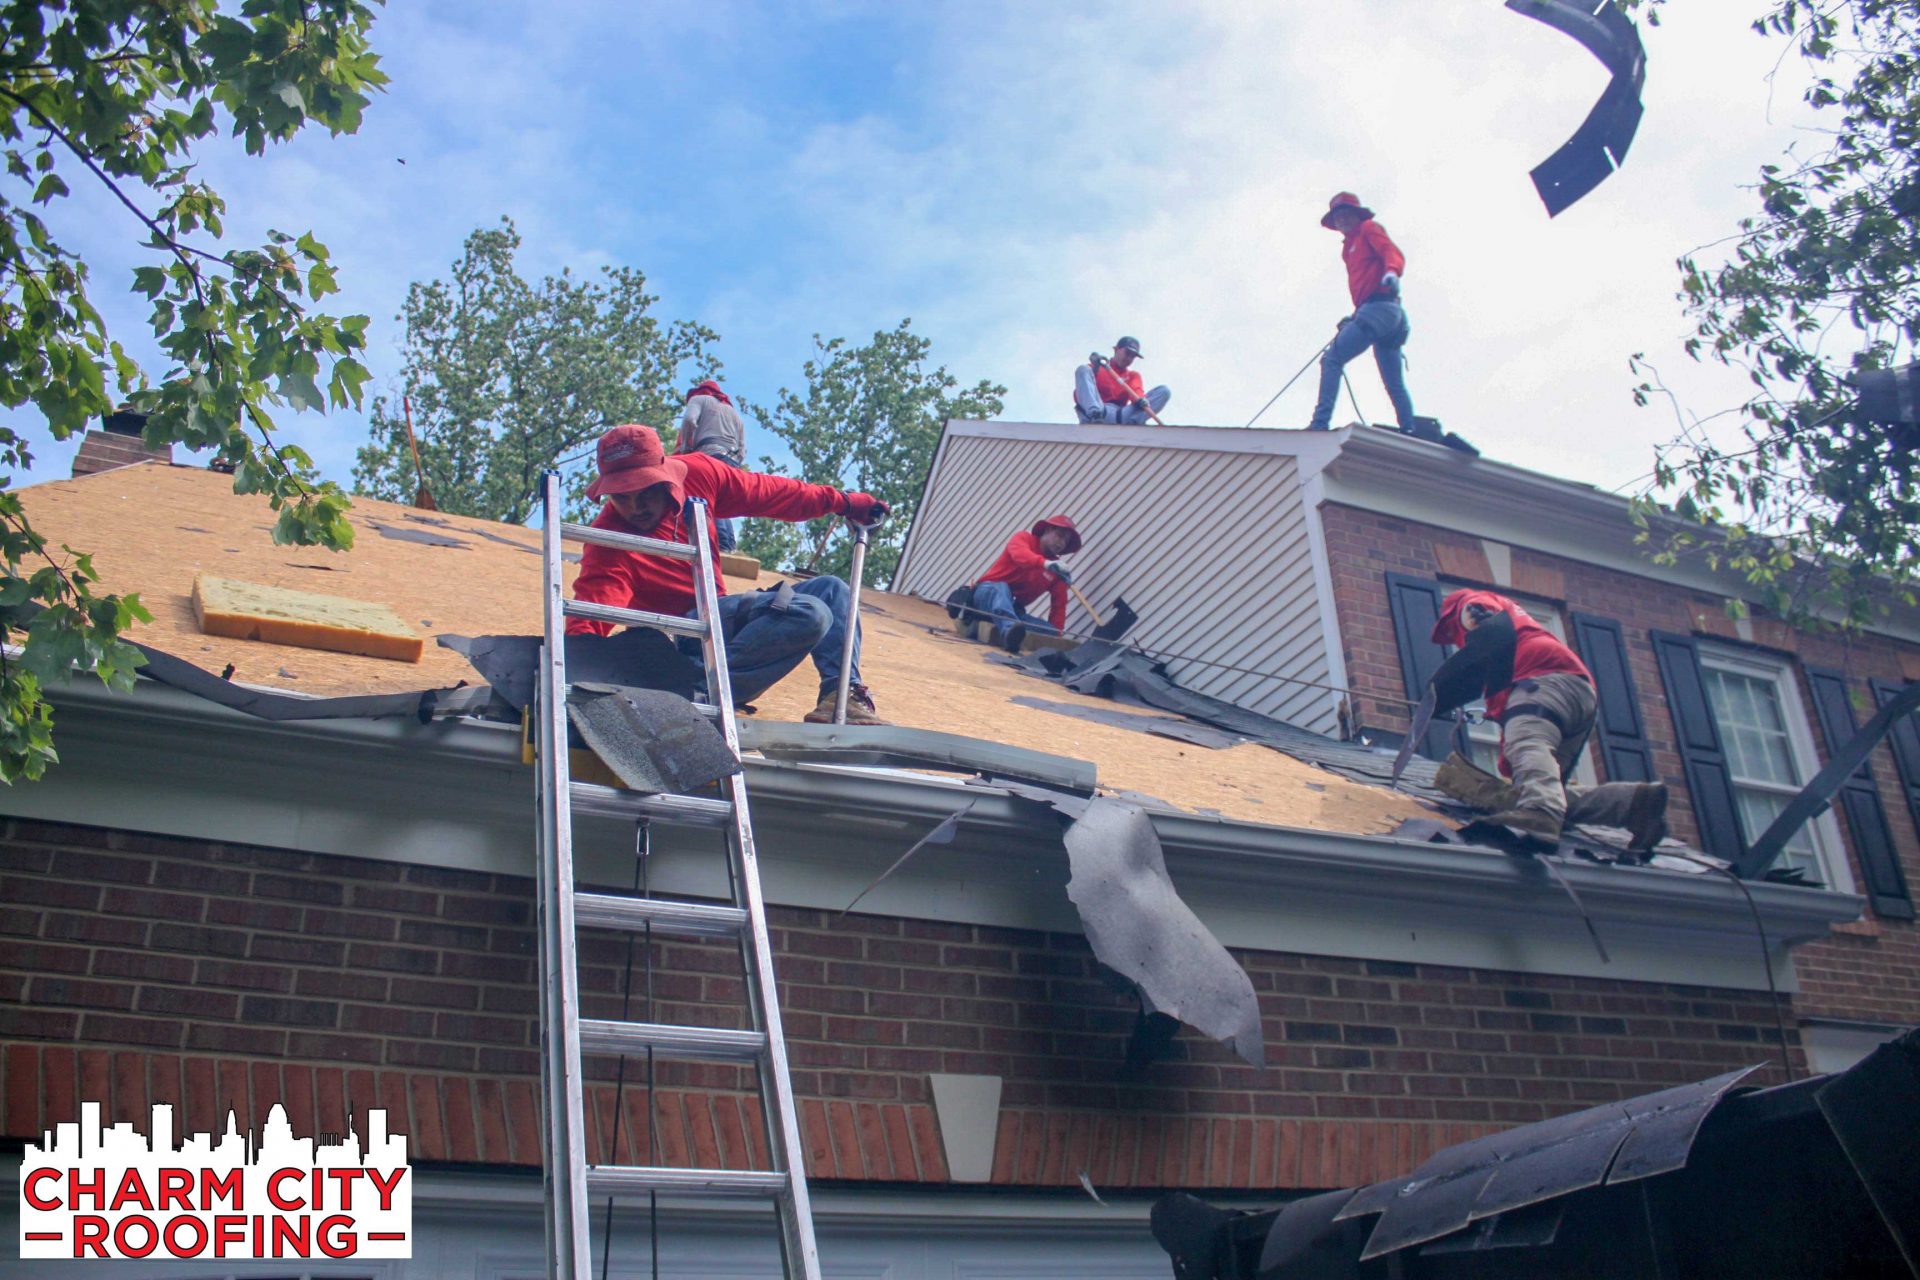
1130,344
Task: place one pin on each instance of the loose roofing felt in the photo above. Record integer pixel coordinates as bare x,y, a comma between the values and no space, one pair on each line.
1814,1179
654,742
1599,145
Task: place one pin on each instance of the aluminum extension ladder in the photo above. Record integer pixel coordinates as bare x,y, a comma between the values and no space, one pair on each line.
569,1181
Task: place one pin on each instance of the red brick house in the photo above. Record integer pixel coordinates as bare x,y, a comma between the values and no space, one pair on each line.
219,910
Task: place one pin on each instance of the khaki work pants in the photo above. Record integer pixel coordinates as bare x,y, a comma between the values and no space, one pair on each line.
1547,724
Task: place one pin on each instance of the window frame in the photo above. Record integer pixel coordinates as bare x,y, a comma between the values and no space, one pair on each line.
1486,733
1829,850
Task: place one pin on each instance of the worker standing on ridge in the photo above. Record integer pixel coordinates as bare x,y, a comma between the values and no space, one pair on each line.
1542,696
1374,265
711,425
1028,569
768,632
1109,391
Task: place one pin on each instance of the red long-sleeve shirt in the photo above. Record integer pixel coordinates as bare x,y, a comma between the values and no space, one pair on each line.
1369,256
1023,567
1116,388
629,580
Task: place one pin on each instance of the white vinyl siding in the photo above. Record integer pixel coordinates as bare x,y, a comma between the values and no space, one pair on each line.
1209,546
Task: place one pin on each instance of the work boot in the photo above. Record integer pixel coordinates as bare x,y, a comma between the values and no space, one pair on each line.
1468,783
860,709
1647,817
1531,822
1013,637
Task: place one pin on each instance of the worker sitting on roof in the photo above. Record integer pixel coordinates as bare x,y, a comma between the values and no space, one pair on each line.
711,425
1542,696
1109,391
768,632
1028,569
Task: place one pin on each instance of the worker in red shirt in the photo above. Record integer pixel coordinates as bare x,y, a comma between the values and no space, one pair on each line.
1027,569
1374,265
1542,697
768,632
1109,391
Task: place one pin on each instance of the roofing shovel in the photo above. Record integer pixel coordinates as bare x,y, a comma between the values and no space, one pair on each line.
1418,730
1115,626
423,496
859,570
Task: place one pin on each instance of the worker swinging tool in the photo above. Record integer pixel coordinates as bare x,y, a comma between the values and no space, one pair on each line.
1109,391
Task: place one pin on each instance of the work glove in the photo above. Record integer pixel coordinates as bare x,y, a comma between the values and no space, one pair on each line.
1390,285
863,508
1059,571
1141,403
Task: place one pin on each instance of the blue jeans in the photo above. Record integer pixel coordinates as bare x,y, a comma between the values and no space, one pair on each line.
1091,408
1383,326
764,644
995,599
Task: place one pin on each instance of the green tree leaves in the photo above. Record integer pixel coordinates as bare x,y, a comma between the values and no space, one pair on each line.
112,96
507,377
1818,508
870,420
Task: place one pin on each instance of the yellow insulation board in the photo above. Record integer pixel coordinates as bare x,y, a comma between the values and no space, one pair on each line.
307,619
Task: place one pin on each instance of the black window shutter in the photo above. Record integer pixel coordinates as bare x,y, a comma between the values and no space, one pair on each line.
1415,603
1904,739
1623,738
1860,797
1709,783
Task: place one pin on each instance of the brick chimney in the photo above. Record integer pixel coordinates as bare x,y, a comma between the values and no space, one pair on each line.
117,443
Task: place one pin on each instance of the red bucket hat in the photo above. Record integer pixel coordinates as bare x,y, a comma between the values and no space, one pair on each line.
1065,526
1344,200
631,459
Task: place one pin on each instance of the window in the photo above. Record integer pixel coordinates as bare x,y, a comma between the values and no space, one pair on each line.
1769,752
1483,737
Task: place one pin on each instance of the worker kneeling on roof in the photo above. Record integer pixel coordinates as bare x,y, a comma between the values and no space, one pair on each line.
1542,696
768,632
1028,569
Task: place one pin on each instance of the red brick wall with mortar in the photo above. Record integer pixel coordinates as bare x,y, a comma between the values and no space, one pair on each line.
138,968
1869,970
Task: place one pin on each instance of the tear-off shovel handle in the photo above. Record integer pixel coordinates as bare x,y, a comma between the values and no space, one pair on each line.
860,532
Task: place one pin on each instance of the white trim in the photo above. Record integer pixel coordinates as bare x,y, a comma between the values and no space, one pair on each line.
1829,849
1323,593
455,794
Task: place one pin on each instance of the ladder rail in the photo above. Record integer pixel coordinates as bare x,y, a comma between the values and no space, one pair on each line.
569,1179
569,1248
779,1113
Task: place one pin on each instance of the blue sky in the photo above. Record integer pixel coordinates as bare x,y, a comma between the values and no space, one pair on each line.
1027,180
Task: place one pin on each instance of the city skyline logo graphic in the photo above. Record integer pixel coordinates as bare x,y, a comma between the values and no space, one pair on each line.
86,1192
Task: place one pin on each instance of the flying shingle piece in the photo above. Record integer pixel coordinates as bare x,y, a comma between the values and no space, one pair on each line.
277,615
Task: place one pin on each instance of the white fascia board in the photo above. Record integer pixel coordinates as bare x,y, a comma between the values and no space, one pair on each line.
1385,472
1313,448
454,794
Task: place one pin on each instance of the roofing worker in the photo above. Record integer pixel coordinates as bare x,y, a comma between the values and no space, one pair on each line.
1542,696
711,425
1109,391
1374,266
768,632
1027,569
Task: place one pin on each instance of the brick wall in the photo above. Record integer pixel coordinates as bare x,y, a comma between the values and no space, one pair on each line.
137,968
105,450
1869,970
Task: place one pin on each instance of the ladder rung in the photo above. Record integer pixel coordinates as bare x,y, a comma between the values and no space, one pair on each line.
597,1036
610,802
628,541
684,919
632,617
612,1179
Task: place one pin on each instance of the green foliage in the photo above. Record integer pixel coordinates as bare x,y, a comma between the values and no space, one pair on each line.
1816,507
507,377
870,420
109,98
